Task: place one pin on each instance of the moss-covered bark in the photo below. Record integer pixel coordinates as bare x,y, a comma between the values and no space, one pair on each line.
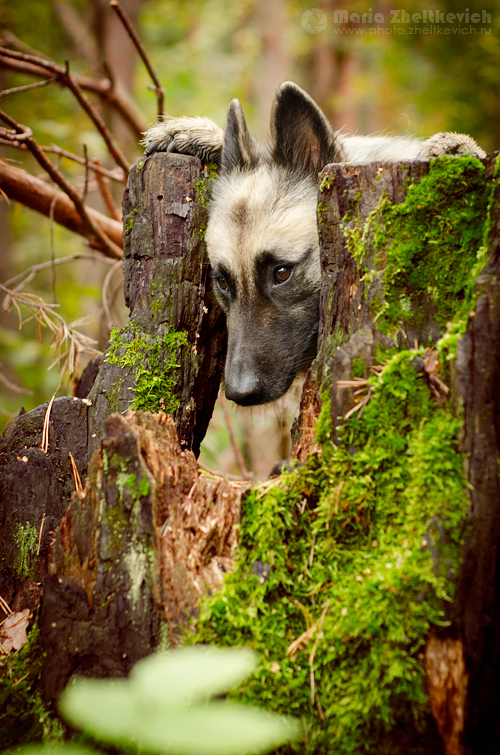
347,568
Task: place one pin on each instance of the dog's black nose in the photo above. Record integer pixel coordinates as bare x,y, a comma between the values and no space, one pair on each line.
247,390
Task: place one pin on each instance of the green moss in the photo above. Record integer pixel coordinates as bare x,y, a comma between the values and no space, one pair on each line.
358,368
131,220
359,543
326,182
421,257
24,718
154,361
322,212
26,540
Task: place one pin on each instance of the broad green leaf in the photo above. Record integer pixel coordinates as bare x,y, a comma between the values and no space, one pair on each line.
152,710
107,706
218,728
190,674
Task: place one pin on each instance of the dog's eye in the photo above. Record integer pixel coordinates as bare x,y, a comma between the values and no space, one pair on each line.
222,283
282,273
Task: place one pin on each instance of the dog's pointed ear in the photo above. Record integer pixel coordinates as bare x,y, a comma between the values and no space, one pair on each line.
302,137
239,149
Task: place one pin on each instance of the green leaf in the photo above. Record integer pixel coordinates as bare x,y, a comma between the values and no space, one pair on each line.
191,674
154,711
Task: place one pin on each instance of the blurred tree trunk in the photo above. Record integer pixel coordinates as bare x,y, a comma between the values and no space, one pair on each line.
274,61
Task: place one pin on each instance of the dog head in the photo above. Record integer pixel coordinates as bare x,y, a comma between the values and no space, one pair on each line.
262,242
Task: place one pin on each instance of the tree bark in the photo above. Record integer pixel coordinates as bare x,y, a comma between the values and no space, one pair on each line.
135,550
175,326
476,606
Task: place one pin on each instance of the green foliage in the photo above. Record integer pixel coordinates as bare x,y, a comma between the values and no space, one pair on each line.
26,540
154,360
358,543
165,707
23,717
418,255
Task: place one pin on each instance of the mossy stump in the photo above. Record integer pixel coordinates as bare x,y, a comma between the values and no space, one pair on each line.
170,355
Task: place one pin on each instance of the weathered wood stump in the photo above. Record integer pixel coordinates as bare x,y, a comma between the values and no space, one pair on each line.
168,358
170,355
133,552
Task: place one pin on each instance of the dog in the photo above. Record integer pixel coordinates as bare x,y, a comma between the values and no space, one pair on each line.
262,237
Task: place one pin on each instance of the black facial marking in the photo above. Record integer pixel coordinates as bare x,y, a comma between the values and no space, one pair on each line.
289,283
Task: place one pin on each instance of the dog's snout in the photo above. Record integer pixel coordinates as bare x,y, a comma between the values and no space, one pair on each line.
244,389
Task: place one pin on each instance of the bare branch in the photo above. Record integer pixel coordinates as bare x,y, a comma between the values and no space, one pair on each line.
13,387
142,52
27,275
32,192
69,343
95,165
64,76
106,193
27,87
103,88
24,133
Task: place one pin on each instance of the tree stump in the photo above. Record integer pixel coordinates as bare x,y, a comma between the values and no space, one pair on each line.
136,550
170,355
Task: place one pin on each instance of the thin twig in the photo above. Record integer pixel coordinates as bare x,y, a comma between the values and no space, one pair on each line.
76,475
105,287
63,75
46,425
94,164
86,184
8,38
25,134
142,52
101,87
30,272
5,606
52,249
69,343
106,193
14,388
27,87
40,534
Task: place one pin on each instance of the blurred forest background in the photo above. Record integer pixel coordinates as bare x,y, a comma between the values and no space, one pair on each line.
368,77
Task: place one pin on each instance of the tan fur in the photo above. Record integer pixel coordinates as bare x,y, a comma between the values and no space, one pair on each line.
278,217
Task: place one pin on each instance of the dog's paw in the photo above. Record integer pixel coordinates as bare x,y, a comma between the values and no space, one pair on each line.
450,143
199,137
